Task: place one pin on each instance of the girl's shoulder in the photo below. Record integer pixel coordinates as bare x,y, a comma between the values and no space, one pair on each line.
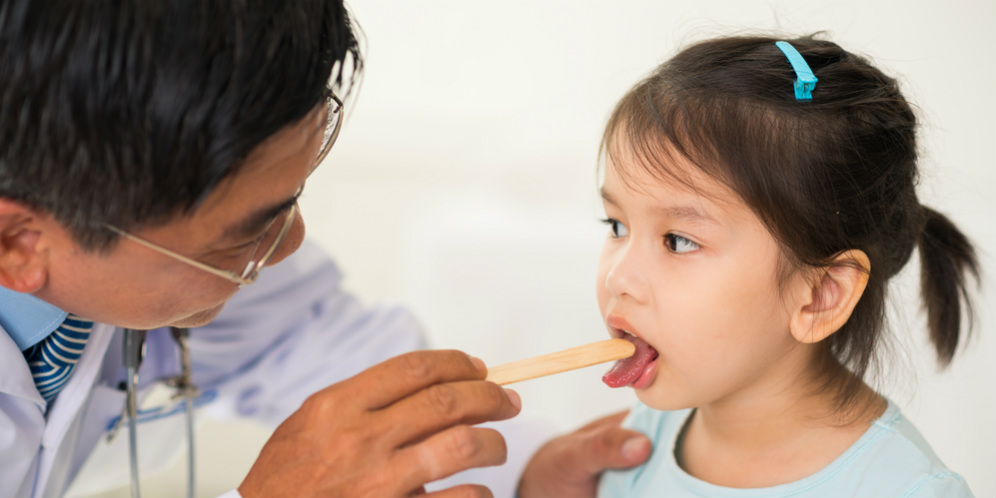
893,456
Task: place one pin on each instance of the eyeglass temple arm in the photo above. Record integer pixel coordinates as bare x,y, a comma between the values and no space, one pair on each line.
230,275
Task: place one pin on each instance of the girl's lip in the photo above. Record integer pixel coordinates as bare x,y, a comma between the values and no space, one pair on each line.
619,327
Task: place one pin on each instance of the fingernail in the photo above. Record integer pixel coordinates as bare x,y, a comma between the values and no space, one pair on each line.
635,448
479,363
514,398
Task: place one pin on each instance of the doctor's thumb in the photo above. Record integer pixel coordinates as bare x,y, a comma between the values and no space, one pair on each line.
617,448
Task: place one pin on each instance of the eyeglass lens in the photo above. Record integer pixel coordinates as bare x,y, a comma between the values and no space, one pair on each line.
334,109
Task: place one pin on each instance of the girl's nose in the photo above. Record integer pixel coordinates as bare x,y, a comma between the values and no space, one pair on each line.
626,273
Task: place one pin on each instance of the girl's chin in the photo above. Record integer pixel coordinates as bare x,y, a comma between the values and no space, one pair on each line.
658,394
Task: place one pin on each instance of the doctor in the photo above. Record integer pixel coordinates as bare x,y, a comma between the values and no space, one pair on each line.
151,158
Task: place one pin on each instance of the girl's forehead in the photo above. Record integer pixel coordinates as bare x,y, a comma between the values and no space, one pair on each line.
664,178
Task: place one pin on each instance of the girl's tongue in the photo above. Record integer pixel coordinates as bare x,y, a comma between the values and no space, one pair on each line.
627,370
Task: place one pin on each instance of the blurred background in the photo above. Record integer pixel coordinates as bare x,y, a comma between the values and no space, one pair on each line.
463,185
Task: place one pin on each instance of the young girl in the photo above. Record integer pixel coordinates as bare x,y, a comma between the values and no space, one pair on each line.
760,196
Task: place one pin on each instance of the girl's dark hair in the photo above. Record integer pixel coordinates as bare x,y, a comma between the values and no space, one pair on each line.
834,173
129,113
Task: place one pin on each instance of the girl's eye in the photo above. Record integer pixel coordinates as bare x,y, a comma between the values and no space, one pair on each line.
617,228
678,244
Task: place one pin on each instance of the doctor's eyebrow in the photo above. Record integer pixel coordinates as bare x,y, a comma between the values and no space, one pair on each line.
257,221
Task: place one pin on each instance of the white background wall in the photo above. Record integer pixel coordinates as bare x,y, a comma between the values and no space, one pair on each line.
463,184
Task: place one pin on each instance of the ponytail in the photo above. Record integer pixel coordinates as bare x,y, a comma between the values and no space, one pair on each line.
946,259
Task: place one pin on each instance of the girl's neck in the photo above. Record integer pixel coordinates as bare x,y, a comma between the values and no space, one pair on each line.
765,440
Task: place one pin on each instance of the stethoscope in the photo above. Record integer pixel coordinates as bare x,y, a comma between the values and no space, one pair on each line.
134,352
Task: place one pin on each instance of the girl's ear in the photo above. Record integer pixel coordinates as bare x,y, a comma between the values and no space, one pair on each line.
22,265
826,304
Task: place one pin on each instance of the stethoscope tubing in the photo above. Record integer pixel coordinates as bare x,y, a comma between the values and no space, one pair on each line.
134,352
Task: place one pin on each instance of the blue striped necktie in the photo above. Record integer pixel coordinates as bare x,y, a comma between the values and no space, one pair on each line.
52,360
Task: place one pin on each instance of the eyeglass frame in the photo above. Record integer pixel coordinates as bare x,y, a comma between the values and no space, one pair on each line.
251,273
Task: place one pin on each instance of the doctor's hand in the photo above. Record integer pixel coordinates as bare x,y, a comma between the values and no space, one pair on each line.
387,431
569,466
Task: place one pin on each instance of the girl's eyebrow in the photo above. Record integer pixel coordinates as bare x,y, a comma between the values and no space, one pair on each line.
607,197
689,213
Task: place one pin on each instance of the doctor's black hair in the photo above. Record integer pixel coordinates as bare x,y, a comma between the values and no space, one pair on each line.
825,176
130,112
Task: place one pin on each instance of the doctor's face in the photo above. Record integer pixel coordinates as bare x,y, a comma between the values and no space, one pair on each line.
138,287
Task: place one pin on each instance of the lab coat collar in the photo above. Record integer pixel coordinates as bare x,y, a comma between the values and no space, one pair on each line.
16,379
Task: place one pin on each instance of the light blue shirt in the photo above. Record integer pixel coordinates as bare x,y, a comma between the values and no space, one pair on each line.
27,319
890,460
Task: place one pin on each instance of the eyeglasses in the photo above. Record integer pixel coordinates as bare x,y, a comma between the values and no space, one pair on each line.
334,112
251,271
333,123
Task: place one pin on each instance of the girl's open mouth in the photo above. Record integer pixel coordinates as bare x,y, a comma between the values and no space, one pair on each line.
637,370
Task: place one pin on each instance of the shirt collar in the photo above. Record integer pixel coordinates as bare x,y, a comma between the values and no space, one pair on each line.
27,319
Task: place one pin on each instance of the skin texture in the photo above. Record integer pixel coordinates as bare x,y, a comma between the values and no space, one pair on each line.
694,272
384,433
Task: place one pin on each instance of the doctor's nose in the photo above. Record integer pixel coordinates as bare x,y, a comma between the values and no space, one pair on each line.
292,242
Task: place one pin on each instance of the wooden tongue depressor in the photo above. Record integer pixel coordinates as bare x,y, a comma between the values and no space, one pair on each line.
561,361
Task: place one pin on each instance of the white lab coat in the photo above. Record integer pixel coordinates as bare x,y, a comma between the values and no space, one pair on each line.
292,333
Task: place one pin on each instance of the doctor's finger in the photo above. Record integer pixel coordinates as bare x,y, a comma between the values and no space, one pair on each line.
458,448
444,405
401,376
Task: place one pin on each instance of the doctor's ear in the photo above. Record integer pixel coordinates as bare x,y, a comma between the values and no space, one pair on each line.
825,302
22,262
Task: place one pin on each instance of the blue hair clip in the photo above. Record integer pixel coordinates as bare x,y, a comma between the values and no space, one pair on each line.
805,79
